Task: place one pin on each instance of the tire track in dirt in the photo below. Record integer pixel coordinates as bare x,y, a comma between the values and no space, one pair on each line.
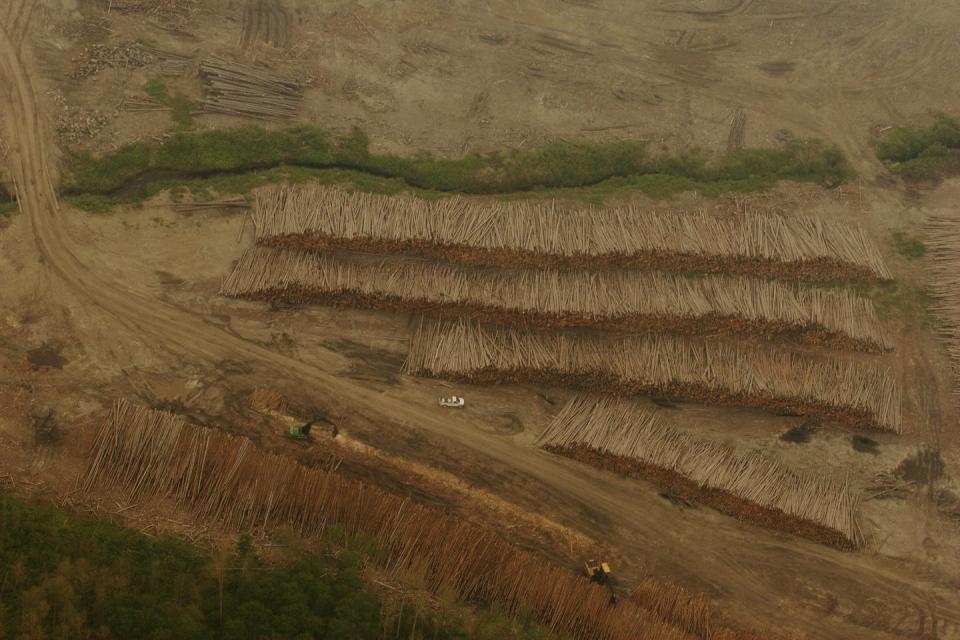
743,570
738,7
265,21
19,19
926,55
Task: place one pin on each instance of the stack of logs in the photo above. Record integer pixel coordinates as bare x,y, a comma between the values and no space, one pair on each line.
253,92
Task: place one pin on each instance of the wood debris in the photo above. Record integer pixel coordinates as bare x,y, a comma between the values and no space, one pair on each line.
96,57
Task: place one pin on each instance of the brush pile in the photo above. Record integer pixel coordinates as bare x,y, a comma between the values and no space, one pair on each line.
943,243
97,57
223,478
177,13
711,372
542,235
624,434
253,92
75,124
618,300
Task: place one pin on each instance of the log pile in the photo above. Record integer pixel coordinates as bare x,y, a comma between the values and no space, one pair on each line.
542,235
711,372
943,244
644,443
170,63
249,91
235,202
142,103
224,478
621,300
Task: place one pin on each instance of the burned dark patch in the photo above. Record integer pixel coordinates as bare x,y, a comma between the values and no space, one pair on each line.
923,467
48,355
283,342
663,402
948,503
800,434
507,424
787,413
675,500
546,398
175,405
863,444
168,279
46,431
234,367
369,364
280,305
777,67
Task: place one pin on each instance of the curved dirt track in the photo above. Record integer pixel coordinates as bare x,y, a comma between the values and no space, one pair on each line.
777,580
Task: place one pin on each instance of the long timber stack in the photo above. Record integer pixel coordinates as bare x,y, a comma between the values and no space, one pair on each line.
612,300
712,372
943,244
620,435
244,90
543,235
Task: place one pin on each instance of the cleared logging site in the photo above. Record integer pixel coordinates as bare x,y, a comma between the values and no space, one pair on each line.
227,479
621,435
616,300
711,372
537,234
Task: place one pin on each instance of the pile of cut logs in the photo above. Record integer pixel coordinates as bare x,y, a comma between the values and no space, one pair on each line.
253,92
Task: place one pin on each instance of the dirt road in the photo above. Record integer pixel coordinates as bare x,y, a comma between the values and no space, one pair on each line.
824,593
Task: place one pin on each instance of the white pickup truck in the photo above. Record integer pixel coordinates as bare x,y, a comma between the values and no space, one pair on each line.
452,401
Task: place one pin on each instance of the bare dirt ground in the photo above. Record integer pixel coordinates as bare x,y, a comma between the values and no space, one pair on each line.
98,306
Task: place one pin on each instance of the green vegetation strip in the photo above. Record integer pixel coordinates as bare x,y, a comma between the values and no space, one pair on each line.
180,105
63,576
139,170
922,153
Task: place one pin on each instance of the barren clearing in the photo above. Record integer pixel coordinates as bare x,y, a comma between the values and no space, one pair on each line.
127,304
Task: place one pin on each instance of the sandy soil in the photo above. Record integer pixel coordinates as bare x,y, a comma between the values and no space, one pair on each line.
128,300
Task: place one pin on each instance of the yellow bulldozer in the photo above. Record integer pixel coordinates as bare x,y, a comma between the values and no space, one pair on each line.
598,572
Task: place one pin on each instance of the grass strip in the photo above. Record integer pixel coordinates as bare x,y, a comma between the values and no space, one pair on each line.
135,171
